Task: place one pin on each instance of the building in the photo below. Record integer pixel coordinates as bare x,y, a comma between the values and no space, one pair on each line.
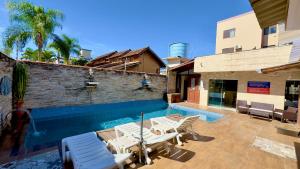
86,54
177,56
248,70
140,60
243,32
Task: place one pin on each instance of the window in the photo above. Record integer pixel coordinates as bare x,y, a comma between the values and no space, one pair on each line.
230,33
270,30
228,50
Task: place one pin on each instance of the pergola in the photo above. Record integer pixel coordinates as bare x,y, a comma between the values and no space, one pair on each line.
294,66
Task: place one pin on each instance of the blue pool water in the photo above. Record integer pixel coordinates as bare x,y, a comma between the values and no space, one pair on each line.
53,124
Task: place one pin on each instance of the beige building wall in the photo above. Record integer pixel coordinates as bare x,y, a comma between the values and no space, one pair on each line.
248,33
244,61
271,39
293,20
277,90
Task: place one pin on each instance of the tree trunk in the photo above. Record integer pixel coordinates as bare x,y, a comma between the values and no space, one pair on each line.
40,45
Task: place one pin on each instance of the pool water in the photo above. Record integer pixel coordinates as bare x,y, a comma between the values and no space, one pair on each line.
53,124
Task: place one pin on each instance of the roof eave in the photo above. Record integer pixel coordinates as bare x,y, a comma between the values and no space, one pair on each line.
270,12
285,67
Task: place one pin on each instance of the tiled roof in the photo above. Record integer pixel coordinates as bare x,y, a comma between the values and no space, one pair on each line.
136,52
105,59
119,54
100,58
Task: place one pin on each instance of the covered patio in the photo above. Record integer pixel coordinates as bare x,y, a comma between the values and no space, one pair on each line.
185,82
290,67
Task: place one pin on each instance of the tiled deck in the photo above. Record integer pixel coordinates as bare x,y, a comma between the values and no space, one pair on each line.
227,144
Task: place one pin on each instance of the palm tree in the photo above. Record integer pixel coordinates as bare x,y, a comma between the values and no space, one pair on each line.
65,47
41,22
16,37
48,56
32,55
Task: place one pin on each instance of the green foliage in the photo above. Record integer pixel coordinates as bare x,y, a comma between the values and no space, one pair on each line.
20,80
36,22
6,51
65,46
15,37
81,61
32,55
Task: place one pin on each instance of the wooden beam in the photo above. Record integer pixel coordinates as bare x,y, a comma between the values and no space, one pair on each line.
289,66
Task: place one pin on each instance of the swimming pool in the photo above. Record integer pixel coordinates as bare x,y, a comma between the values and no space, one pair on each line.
53,124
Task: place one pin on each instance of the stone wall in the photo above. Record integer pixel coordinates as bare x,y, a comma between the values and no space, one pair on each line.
6,69
52,85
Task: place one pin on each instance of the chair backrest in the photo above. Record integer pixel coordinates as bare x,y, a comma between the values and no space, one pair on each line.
241,103
264,106
187,121
132,129
292,110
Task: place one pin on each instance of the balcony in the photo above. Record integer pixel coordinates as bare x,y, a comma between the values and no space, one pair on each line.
250,60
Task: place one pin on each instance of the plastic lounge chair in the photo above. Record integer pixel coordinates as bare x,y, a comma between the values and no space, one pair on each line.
87,152
164,124
149,138
123,144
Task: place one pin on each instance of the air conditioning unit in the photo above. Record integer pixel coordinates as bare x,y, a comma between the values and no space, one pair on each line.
238,48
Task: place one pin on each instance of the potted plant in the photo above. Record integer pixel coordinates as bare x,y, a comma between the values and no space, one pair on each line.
20,80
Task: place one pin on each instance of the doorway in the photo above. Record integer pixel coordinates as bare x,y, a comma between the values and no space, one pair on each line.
291,93
222,93
193,91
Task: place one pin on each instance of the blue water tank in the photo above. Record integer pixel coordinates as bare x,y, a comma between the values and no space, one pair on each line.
178,49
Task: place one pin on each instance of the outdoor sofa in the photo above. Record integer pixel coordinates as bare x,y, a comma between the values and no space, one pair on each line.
290,114
261,109
242,106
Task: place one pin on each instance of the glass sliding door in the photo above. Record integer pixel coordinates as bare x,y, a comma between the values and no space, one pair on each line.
222,93
291,93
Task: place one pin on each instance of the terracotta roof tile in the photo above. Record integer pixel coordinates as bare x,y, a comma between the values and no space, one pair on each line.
119,54
106,58
100,58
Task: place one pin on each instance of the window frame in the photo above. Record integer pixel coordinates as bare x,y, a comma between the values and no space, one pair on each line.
227,33
268,30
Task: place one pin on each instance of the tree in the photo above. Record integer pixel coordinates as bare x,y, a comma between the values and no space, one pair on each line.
79,61
48,56
39,22
32,55
65,46
15,37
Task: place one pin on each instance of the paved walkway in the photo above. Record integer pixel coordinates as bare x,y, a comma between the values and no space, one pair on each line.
228,144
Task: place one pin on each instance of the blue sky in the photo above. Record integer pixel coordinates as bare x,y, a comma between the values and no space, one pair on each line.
107,25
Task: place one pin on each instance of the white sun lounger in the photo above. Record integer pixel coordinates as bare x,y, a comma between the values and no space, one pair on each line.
88,152
133,130
123,144
164,124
